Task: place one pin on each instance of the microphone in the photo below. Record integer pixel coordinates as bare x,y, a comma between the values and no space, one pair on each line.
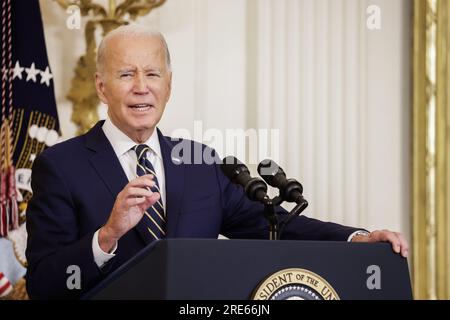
290,189
237,172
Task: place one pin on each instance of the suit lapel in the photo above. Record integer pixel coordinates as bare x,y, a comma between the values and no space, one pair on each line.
105,160
174,176
109,169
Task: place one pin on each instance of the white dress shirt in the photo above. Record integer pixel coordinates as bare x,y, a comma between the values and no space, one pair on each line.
122,146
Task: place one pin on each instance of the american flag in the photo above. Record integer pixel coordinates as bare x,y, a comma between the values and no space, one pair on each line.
29,119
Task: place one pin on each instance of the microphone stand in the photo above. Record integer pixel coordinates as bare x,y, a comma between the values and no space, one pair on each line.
276,228
269,213
298,209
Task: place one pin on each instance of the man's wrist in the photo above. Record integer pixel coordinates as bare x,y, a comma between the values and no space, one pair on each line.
101,257
106,241
359,236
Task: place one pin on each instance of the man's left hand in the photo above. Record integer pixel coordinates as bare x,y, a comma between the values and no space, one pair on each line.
398,242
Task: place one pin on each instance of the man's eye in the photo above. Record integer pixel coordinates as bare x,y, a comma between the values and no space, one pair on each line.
152,75
126,75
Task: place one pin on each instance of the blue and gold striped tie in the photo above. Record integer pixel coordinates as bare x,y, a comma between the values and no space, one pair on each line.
155,218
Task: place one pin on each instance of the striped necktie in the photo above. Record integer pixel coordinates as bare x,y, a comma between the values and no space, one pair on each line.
154,219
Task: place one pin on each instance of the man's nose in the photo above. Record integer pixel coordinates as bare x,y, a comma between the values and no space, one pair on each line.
140,84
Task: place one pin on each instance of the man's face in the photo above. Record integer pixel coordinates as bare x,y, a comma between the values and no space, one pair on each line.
135,84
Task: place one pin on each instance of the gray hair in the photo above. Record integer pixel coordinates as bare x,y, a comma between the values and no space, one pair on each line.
130,30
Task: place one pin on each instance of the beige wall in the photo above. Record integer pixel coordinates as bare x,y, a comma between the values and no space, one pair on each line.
337,92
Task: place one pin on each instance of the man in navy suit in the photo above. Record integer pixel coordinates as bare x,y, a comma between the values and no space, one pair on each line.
99,198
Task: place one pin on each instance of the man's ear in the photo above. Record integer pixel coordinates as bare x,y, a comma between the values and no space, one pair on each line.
100,86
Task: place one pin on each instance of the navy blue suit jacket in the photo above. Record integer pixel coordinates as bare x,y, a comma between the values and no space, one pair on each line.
75,184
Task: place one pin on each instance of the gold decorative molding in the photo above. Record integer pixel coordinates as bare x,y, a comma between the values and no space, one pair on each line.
82,92
443,150
431,177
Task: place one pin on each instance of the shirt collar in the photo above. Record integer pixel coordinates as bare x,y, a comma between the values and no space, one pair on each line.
121,143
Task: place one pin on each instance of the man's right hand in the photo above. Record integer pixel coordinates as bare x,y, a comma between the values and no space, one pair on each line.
129,208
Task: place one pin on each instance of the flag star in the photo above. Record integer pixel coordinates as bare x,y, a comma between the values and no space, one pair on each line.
31,72
32,157
46,76
17,71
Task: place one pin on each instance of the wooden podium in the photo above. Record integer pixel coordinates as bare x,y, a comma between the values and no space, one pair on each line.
198,269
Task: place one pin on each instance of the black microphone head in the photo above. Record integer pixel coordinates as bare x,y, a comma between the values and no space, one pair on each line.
268,170
290,189
232,167
238,173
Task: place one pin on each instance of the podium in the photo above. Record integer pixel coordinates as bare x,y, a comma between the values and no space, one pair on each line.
199,269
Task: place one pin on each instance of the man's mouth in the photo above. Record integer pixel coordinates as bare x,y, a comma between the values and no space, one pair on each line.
141,106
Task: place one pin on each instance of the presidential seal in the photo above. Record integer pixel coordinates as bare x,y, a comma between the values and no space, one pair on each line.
294,284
